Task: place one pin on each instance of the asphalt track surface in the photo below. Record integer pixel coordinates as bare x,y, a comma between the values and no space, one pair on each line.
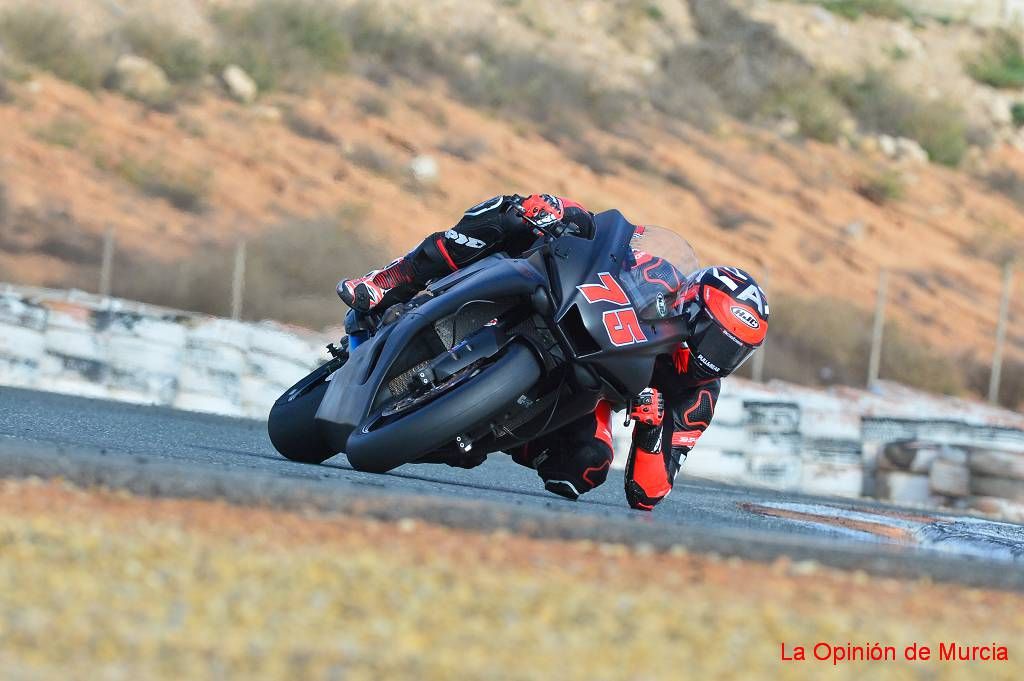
175,453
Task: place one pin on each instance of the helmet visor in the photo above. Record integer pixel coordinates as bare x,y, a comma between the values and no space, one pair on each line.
716,350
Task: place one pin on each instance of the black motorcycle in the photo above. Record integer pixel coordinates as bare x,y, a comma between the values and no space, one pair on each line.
493,355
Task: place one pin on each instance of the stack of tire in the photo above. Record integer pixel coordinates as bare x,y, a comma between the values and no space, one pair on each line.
213,364
144,356
75,359
22,343
919,472
831,450
773,444
278,357
997,482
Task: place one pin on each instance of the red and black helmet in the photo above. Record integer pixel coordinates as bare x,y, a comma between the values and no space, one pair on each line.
728,315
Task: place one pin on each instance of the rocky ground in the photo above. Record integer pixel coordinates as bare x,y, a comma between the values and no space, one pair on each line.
101,585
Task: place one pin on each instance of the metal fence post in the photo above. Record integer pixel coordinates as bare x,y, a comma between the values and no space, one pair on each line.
107,263
878,331
997,354
238,282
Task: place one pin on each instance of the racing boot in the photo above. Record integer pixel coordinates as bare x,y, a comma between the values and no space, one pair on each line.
380,288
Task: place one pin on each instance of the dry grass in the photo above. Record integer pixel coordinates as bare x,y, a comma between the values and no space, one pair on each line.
291,272
824,341
47,40
103,585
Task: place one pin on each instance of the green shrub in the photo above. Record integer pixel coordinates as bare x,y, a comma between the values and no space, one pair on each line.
882,187
184,188
62,131
1000,62
1017,113
46,39
304,126
816,110
284,43
855,9
996,241
879,105
183,59
374,159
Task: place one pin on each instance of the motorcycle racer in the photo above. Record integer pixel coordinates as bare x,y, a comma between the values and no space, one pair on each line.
726,308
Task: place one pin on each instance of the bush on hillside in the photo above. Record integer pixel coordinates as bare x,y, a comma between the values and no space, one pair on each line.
183,59
881,106
284,43
823,341
1000,62
740,66
518,84
47,40
881,187
184,188
816,110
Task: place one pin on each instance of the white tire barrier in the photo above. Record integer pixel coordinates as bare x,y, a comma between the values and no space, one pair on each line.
949,478
998,487
706,461
21,344
998,464
774,471
903,487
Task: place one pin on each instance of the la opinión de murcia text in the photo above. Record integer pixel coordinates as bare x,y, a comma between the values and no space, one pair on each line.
840,653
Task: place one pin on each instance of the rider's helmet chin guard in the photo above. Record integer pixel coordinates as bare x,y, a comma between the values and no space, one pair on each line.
728,314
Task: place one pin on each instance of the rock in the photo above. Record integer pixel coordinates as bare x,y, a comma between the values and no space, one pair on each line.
910,150
787,127
999,110
424,169
887,145
240,85
141,79
854,230
271,114
902,149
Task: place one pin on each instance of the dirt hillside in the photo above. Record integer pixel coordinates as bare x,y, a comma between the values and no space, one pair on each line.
805,215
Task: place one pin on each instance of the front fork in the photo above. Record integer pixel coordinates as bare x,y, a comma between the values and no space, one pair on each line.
358,327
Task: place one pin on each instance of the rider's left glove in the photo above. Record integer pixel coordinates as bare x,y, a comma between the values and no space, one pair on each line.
648,407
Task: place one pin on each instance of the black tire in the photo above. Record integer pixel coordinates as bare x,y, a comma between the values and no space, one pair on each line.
435,424
292,424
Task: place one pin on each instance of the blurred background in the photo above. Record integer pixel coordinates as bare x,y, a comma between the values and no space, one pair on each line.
823,145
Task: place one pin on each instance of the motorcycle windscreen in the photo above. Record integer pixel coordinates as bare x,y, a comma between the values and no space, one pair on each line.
656,275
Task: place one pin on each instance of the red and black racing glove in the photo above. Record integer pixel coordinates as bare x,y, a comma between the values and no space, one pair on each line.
648,408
